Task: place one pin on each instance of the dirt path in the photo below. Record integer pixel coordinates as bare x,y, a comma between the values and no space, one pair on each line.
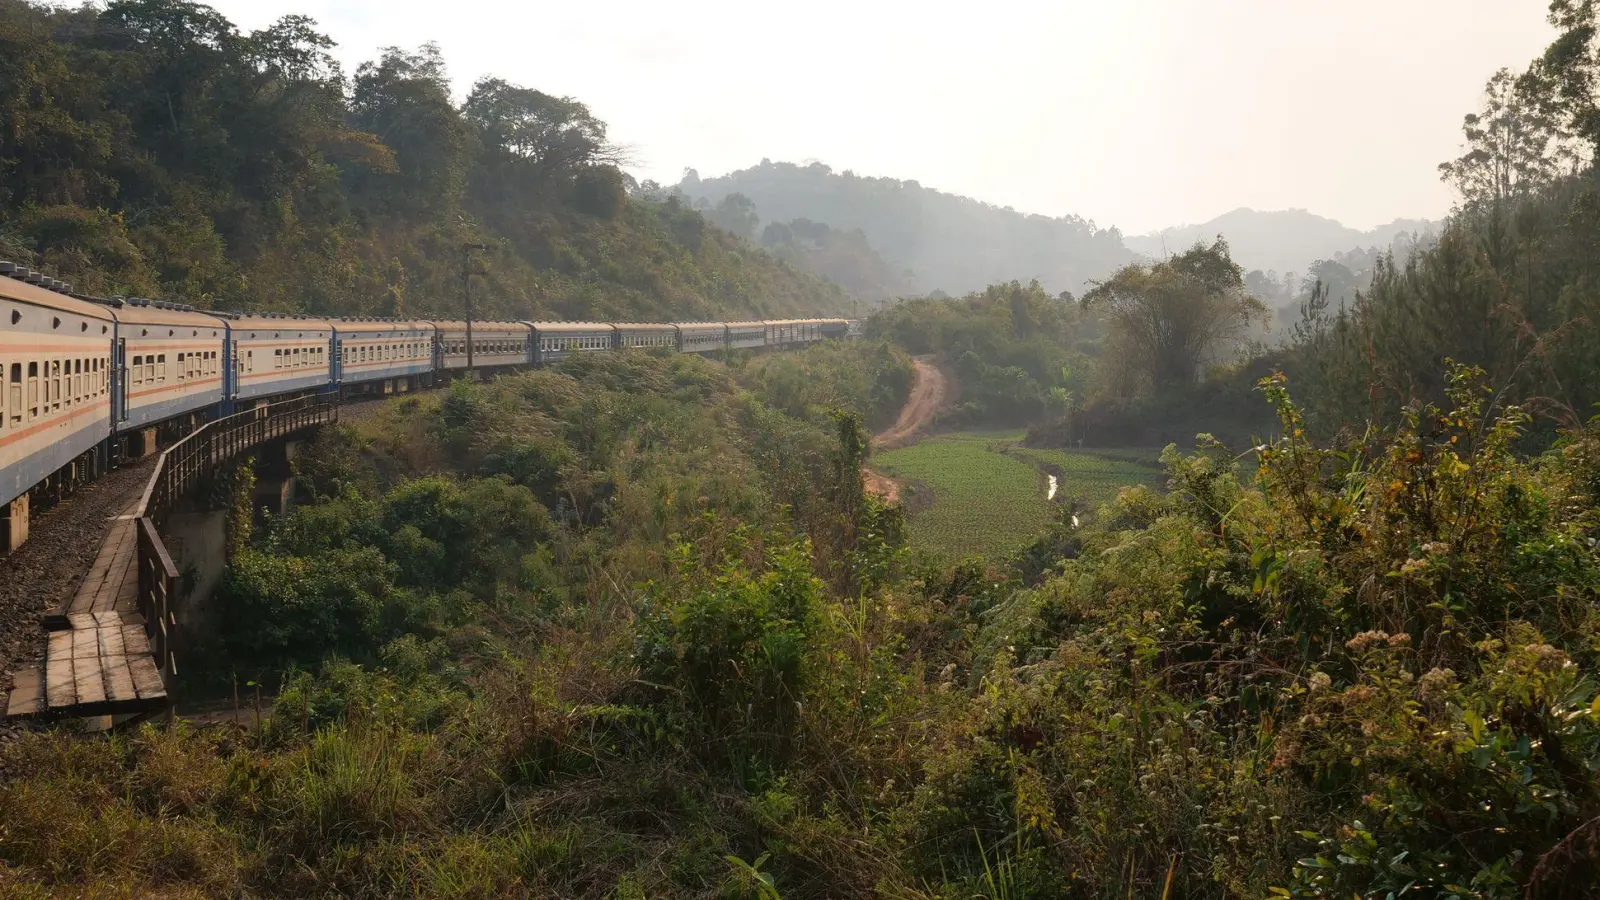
930,392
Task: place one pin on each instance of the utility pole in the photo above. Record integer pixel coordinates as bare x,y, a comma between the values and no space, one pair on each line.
466,279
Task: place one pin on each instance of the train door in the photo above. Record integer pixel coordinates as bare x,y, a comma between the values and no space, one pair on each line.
235,372
119,366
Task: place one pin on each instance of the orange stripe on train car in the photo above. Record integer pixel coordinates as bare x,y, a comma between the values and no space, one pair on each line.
58,419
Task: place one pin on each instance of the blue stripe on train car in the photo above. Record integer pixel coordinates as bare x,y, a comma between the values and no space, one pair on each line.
312,379
20,477
355,373
141,414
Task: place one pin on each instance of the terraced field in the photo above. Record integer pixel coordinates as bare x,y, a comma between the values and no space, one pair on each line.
988,495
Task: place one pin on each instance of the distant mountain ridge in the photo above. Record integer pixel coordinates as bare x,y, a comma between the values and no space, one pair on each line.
1285,241
945,241
955,244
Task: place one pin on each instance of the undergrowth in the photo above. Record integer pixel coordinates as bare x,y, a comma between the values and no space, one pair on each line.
1357,670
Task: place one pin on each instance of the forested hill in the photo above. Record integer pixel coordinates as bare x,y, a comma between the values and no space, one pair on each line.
150,147
1286,240
946,242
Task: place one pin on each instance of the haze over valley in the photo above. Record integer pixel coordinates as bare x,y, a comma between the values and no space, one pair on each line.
839,450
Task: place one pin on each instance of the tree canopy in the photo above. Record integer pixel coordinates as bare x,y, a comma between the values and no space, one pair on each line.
151,147
1167,319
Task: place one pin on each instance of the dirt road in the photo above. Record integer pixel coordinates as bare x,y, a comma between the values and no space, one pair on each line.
930,392
928,395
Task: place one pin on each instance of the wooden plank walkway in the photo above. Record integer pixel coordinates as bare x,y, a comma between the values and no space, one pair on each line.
98,661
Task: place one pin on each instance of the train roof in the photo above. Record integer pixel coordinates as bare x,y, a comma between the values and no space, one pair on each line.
49,298
255,323
748,323
358,325
791,321
491,324
147,313
571,326
700,324
646,326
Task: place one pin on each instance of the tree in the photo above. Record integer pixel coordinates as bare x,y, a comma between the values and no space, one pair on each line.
1565,80
404,99
1510,148
736,214
556,135
1168,318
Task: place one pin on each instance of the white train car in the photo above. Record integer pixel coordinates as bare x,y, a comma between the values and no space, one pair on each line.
495,344
792,332
646,335
55,386
555,341
170,360
746,335
272,355
387,354
702,337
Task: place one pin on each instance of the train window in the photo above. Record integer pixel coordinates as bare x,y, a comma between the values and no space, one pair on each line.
55,385
250,360
277,359
33,391
15,404
161,367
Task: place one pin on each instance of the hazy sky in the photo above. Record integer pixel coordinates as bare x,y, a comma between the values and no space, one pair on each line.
1135,113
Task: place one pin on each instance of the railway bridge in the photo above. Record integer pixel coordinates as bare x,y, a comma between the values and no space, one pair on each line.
111,638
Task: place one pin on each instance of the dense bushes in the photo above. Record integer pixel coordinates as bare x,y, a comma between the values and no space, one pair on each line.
1348,670
1016,351
874,378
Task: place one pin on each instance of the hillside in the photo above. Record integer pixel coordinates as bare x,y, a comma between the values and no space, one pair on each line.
1285,241
153,148
947,242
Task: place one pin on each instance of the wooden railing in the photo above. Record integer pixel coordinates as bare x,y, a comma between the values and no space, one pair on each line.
180,468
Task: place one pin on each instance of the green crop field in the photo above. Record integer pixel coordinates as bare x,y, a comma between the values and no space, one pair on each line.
984,502
1095,476
988,495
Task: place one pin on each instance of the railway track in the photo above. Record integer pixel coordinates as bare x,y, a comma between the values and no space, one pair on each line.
46,570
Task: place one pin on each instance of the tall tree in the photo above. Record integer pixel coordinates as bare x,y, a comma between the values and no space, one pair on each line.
404,99
556,135
1511,145
1565,80
1167,319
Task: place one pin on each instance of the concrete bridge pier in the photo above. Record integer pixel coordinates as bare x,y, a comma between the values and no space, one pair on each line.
276,488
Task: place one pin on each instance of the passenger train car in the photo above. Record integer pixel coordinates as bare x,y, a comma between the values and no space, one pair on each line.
85,382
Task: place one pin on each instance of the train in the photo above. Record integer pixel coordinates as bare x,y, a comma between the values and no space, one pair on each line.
86,382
